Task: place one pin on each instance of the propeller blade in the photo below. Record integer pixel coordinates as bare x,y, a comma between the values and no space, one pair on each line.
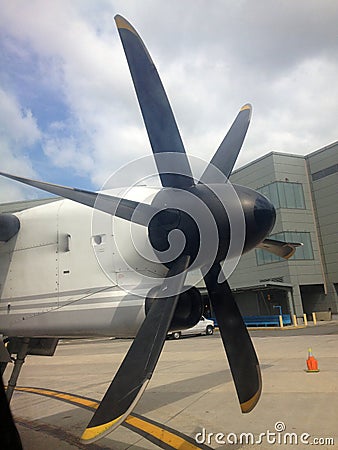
130,210
157,114
279,248
237,343
138,365
226,155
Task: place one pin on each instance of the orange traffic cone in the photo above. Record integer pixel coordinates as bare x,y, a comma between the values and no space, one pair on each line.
311,362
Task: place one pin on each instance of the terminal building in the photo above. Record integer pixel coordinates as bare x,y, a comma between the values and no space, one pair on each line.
304,191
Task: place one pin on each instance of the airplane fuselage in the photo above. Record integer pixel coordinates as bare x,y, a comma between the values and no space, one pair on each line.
75,271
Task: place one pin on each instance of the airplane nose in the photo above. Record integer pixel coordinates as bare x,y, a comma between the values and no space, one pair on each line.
265,215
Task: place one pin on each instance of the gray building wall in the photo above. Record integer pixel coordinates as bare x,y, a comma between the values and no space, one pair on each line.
323,175
297,273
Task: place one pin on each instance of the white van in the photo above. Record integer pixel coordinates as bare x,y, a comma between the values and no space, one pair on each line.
204,326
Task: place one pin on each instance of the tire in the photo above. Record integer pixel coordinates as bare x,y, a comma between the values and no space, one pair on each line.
176,335
209,331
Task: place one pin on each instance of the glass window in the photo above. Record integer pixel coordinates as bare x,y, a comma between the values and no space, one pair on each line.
299,196
260,257
284,194
281,195
325,172
273,194
289,195
265,191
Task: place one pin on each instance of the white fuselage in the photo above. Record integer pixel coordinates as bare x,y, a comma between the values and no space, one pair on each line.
74,271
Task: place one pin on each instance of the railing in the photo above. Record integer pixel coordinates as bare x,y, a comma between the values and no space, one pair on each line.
266,321
263,321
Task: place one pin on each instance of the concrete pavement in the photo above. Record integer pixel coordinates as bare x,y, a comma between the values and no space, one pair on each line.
191,392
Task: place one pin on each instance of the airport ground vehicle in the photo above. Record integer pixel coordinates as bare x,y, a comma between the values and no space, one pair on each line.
204,326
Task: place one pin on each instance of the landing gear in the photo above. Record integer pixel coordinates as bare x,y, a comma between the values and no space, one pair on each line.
18,362
21,347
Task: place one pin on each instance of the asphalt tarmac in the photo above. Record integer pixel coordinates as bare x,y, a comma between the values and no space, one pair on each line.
190,402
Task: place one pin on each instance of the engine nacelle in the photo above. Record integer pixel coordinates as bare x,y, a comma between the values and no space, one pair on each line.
188,311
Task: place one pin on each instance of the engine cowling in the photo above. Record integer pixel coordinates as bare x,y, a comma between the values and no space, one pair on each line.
188,311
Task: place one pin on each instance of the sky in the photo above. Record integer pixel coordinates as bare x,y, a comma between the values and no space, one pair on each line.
68,110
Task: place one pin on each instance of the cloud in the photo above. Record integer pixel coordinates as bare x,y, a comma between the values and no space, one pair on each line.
17,126
18,133
65,64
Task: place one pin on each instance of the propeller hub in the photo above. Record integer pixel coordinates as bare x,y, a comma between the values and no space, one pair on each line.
164,233
206,220
201,224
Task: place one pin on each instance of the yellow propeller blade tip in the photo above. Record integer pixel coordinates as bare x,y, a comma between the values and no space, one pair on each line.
247,106
121,22
93,433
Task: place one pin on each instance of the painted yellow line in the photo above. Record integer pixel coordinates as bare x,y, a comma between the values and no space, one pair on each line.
165,436
61,395
143,426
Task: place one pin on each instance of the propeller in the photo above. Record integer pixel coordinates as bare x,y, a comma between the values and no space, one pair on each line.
165,140
255,211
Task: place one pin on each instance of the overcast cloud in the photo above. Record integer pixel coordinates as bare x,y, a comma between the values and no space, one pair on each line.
68,111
